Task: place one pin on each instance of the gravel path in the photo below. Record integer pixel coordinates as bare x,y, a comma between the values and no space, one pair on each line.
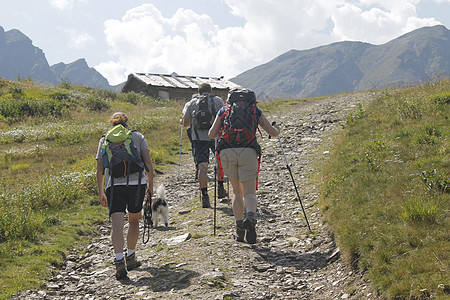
187,261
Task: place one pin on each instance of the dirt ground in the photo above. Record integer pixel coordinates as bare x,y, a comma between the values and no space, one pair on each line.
193,259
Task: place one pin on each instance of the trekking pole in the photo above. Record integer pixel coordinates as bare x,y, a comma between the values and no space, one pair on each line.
292,177
215,183
179,156
147,219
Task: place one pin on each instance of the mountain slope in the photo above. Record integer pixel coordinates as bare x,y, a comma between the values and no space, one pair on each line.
80,73
20,59
421,55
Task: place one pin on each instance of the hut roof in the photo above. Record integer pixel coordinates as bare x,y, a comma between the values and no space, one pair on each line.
183,82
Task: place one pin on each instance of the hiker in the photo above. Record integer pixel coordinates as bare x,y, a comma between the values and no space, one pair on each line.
199,115
239,157
189,132
123,194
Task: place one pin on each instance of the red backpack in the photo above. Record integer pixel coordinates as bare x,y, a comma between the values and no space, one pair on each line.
240,123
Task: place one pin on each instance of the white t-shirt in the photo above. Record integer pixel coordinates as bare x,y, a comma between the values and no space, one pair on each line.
141,144
188,114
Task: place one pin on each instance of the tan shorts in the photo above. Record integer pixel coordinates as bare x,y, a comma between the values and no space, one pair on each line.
239,163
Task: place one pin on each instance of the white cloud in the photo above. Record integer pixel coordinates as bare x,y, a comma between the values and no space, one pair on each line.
61,4
191,44
64,4
381,22
80,40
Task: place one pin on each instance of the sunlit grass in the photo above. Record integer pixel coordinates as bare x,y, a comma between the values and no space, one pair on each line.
48,190
386,195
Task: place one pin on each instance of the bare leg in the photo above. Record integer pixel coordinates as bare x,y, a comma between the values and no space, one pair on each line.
238,201
203,175
133,230
117,219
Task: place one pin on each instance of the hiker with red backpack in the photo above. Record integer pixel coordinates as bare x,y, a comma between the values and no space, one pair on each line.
199,115
239,154
126,156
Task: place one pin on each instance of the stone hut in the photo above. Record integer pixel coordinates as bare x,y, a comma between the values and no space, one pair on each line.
175,86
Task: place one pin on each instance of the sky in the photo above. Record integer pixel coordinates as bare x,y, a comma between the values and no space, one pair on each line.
206,37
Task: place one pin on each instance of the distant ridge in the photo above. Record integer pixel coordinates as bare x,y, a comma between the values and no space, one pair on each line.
20,59
80,73
422,55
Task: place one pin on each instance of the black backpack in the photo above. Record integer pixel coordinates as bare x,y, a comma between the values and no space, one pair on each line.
203,114
120,157
239,121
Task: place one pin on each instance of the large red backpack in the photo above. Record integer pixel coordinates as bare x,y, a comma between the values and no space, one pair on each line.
240,123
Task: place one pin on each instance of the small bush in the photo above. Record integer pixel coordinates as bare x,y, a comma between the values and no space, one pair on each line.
69,139
418,211
16,91
96,104
435,180
157,156
409,109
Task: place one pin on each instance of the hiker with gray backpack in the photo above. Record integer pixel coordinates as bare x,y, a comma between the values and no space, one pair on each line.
199,114
239,154
124,178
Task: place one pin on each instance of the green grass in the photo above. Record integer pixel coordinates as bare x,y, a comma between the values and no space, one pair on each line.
386,191
48,195
385,185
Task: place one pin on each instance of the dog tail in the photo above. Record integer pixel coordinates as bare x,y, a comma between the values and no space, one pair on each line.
161,192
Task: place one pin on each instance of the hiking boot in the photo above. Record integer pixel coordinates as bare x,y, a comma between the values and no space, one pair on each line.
222,193
240,234
205,201
249,226
121,270
132,263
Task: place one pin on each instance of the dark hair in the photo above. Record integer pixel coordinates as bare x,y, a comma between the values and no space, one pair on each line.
119,118
204,88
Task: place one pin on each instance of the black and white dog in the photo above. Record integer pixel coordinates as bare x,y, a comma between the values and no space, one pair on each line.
160,210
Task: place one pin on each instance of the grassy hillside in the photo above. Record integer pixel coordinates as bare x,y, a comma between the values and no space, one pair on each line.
385,185
386,191
48,198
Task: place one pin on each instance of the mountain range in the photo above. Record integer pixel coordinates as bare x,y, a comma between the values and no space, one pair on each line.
422,55
20,59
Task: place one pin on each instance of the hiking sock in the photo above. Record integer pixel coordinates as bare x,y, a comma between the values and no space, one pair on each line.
119,256
204,191
130,252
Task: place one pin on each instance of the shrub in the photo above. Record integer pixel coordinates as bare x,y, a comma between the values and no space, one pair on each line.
94,103
435,180
418,211
409,108
16,91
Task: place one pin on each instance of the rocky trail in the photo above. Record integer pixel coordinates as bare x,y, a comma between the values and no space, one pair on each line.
187,261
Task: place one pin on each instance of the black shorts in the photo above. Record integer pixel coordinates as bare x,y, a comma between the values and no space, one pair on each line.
201,151
125,198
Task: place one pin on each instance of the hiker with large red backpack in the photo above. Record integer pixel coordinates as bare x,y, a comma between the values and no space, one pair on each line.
199,115
239,154
129,178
